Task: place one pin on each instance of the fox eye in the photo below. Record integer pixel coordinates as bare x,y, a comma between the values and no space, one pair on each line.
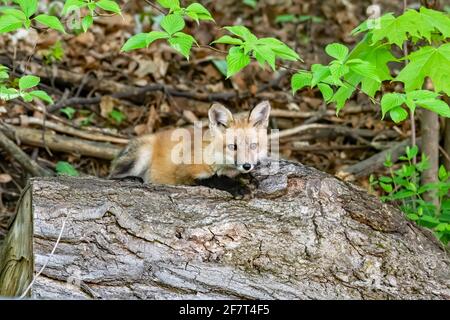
232,147
253,146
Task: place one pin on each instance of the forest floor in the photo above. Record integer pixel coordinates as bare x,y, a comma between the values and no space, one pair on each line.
161,89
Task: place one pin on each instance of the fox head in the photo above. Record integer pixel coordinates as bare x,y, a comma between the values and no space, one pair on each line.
241,142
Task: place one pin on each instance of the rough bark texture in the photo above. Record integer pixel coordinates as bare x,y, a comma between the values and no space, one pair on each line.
304,235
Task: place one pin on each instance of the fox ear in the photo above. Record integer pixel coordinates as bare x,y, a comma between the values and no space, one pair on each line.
219,116
259,116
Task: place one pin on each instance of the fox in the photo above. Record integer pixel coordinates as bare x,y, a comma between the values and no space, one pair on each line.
233,145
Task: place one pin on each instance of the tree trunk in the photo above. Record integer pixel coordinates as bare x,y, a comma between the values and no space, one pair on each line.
430,146
447,142
303,235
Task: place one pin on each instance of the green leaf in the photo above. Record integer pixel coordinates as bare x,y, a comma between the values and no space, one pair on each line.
172,23
345,92
236,61
264,54
3,76
438,20
385,179
398,114
422,95
364,68
251,3
422,26
28,7
27,82
326,90
241,32
143,40
13,12
427,187
442,174
201,12
371,24
280,49
9,23
51,22
427,62
69,112
41,95
411,152
87,22
300,80
428,221
108,5
320,72
8,93
137,41
441,227
26,97
228,40
285,18
169,4
386,187
71,5
377,56
402,194
91,6
117,115
390,101
388,161
435,105
182,42
65,168
337,51
394,29
413,216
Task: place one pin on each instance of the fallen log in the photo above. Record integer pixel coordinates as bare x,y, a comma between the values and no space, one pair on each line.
376,162
62,143
303,235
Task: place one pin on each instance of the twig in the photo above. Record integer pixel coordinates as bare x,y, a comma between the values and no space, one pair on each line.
444,153
154,6
21,157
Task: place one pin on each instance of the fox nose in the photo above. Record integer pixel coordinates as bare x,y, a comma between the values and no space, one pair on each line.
247,166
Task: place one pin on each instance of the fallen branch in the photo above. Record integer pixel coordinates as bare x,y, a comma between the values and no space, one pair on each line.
56,142
335,129
368,166
318,147
24,121
21,157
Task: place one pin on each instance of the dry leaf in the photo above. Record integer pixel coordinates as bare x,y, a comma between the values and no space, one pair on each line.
5,178
106,106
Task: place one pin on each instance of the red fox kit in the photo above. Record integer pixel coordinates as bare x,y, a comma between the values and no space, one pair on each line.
231,146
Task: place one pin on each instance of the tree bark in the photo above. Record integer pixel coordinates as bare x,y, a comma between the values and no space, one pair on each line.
430,146
447,142
303,235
